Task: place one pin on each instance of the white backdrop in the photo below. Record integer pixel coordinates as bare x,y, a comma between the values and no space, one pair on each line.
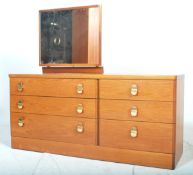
139,37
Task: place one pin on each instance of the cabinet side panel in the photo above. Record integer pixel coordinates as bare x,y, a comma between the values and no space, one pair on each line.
179,117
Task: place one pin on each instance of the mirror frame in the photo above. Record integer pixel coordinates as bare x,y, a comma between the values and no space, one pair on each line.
95,39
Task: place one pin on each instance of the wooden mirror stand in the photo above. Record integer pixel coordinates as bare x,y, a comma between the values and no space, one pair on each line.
70,40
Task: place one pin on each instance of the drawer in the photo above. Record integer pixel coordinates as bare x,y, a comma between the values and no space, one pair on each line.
82,88
55,106
141,136
56,128
152,111
159,90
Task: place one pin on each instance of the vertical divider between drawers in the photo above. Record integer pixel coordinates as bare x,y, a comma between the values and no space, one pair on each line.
98,112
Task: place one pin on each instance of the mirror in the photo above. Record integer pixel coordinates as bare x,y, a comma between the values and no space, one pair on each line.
70,36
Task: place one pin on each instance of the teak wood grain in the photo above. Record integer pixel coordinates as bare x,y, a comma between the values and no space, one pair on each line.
55,106
84,70
80,34
70,8
151,111
95,76
154,137
159,122
147,89
94,36
160,160
54,87
70,65
55,128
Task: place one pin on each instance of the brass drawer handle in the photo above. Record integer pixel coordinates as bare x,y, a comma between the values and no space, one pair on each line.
133,132
20,104
133,111
134,90
80,88
20,87
80,109
20,122
80,128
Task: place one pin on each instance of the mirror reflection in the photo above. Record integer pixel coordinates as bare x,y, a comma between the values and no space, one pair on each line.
64,36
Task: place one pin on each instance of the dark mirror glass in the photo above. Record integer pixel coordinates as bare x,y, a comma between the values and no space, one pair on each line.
56,37
65,37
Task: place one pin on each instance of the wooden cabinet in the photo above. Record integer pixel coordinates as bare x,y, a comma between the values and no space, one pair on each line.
129,119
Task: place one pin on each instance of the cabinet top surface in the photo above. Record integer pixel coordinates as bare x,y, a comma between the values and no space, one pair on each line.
97,76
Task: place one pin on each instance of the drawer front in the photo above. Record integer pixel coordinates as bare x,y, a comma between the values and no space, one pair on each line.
82,88
161,90
152,111
57,128
141,136
74,107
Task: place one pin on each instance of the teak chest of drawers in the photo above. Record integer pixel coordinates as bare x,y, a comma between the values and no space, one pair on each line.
129,119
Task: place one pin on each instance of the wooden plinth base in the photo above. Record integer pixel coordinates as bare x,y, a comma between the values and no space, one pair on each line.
90,70
160,160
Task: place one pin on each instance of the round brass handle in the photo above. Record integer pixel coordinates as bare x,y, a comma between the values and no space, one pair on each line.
80,128
133,132
134,90
79,88
80,109
133,111
20,87
20,104
20,122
